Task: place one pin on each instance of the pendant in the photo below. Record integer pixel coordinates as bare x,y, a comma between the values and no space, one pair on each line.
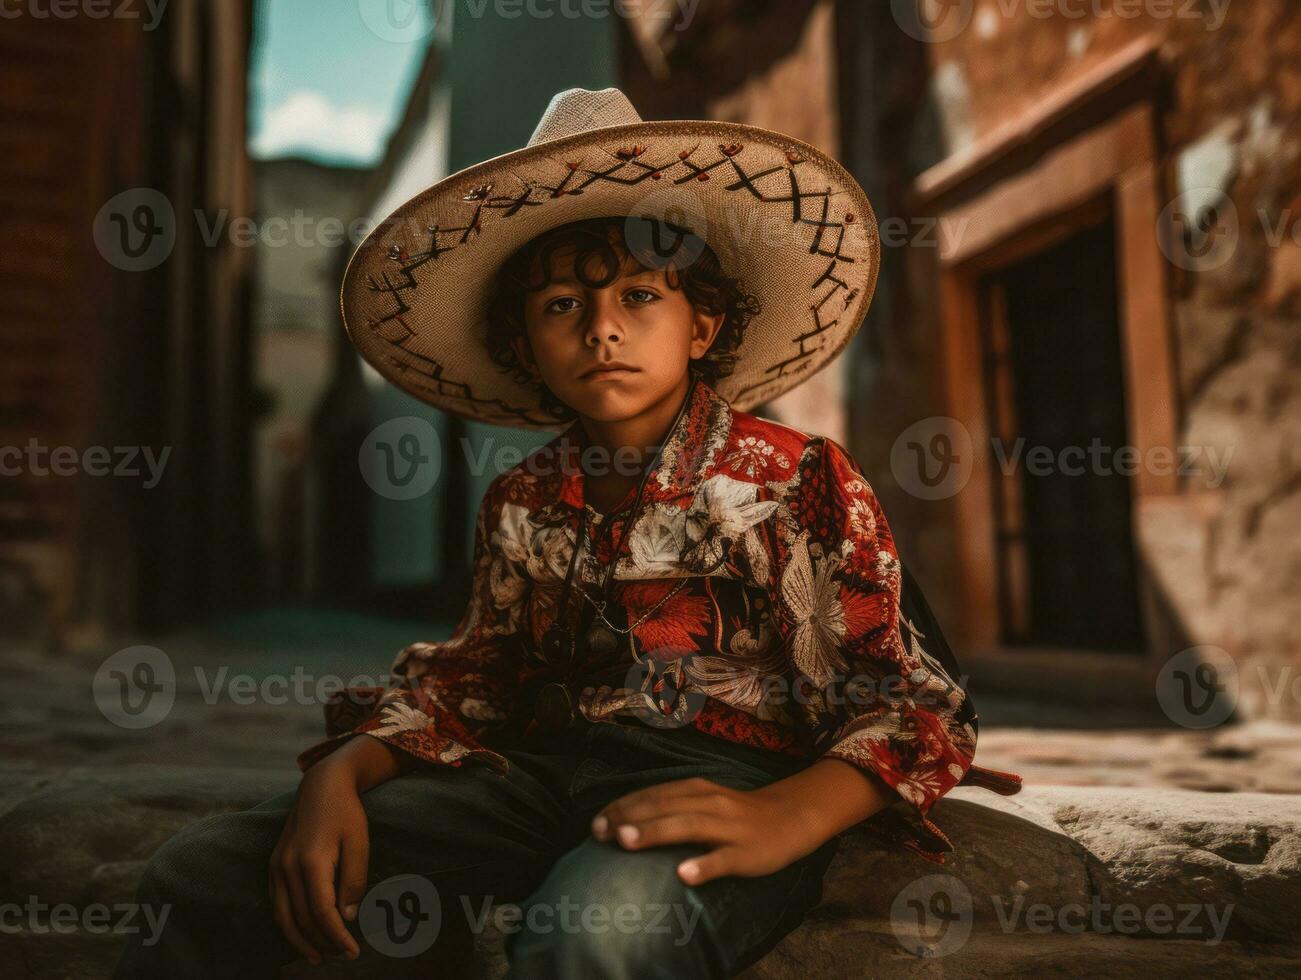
558,646
601,640
554,708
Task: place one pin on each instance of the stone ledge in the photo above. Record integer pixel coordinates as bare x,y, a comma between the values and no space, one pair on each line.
1060,845
839,947
82,835
1063,847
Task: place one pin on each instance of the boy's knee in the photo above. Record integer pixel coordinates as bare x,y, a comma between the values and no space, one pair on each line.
205,885
583,954
611,913
201,860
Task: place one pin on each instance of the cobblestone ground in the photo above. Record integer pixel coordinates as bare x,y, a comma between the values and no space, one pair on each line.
85,801
246,692
247,697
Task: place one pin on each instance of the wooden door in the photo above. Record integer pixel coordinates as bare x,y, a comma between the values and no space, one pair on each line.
1056,399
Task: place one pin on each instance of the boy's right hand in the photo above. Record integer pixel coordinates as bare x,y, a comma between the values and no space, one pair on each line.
318,868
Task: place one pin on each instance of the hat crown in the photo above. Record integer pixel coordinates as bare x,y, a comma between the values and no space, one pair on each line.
577,110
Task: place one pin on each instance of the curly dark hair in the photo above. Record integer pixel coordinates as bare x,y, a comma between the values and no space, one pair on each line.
692,267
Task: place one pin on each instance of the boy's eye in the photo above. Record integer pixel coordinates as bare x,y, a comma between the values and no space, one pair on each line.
562,304
552,308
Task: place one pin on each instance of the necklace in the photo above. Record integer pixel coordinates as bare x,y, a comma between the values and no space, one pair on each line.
602,636
602,639
600,608
555,706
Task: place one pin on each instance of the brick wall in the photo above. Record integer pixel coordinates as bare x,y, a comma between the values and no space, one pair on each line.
1229,557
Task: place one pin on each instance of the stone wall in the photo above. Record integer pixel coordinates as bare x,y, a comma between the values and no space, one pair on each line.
891,102
1229,556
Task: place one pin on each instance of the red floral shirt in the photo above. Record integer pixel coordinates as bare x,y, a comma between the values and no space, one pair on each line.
763,601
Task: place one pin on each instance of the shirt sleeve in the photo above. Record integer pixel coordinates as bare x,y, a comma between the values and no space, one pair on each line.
448,694
869,693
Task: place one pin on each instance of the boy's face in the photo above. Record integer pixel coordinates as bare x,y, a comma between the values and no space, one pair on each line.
612,353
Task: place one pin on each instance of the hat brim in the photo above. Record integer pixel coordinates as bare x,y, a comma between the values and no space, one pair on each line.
786,219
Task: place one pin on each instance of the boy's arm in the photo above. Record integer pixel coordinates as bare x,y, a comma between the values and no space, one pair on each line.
878,701
753,832
449,693
361,764
886,719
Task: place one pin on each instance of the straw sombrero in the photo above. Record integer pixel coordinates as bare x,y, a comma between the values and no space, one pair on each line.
782,216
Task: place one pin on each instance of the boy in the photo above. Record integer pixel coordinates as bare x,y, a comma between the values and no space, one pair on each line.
691,657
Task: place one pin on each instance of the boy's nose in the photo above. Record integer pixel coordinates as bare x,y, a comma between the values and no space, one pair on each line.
599,335
603,325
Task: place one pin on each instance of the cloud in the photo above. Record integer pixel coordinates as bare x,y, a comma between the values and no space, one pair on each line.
307,122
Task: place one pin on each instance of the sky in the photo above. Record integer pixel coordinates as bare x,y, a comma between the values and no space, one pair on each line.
330,77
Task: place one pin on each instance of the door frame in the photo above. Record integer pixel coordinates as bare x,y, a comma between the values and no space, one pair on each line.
1091,147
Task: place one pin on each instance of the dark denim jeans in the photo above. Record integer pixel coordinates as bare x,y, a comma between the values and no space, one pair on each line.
587,908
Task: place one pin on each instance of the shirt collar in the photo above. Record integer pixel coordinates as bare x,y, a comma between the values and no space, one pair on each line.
687,459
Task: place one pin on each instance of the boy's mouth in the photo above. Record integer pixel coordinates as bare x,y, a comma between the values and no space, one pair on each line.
610,369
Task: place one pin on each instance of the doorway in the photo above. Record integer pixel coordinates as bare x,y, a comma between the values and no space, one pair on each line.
1062,491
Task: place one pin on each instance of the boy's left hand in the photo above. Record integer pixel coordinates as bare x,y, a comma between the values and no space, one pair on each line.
754,832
